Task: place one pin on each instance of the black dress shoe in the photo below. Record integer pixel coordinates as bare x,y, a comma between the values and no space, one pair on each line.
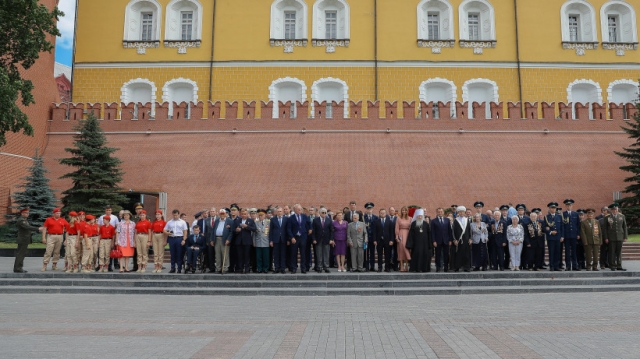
20,271
387,270
622,269
438,270
327,270
379,270
293,272
110,269
467,270
613,269
172,271
303,271
211,271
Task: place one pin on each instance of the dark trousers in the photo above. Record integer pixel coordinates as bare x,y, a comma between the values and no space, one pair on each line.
233,257
243,253
442,256
348,265
21,252
524,263
372,250
211,256
497,256
536,254
582,260
555,254
491,244
388,255
135,257
615,254
253,258
479,255
309,250
175,248
332,256
270,258
287,257
322,256
604,255
394,256
263,263
507,257
299,246
570,255
280,256
192,257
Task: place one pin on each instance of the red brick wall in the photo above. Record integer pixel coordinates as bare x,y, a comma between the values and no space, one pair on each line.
45,92
434,168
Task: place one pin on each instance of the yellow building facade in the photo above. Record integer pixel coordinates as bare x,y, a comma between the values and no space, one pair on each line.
353,50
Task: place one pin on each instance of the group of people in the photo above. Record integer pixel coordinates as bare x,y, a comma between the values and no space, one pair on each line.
284,238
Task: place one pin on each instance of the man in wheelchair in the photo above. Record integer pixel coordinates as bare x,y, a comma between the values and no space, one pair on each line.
194,243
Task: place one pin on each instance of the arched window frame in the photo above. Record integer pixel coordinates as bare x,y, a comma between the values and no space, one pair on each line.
627,31
486,25
315,93
173,36
167,95
126,89
465,93
587,32
132,38
453,97
343,24
570,98
277,36
619,82
274,98
426,38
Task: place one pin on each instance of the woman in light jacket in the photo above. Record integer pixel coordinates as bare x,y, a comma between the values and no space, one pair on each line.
479,236
515,236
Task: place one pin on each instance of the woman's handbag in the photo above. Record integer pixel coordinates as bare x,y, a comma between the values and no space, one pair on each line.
116,253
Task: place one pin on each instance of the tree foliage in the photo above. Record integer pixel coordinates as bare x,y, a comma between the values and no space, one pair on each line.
630,205
96,175
37,195
24,27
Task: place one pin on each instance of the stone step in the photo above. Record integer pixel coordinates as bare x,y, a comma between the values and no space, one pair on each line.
404,291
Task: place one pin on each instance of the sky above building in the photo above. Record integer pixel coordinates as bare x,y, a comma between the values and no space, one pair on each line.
64,44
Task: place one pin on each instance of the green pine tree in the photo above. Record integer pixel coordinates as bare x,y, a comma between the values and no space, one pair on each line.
37,195
630,205
96,172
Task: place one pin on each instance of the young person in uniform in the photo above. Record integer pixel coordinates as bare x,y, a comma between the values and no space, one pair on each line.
92,232
143,240
55,227
159,241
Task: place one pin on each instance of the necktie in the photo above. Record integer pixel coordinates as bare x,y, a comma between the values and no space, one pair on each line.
383,223
280,221
299,221
322,221
441,221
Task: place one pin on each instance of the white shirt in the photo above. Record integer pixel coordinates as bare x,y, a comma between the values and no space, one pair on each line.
112,219
220,228
177,226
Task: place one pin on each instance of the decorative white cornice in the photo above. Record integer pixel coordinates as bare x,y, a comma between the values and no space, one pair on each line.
181,45
288,45
436,45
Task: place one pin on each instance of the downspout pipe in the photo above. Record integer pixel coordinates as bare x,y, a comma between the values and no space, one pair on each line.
213,33
375,44
515,12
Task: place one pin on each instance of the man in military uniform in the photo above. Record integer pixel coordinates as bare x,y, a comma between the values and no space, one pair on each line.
554,228
524,221
370,252
615,233
25,230
571,222
591,236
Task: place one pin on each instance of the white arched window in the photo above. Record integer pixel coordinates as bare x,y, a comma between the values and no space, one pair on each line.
179,90
287,89
579,27
585,92
623,91
437,89
183,27
618,25
435,25
481,91
142,25
477,25
330,89
331,24
288,24
139,91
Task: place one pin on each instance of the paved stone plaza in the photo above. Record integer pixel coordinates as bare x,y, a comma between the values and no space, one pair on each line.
594,325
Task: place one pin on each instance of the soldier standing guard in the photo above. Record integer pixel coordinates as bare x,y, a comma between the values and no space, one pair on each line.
615,233
25,230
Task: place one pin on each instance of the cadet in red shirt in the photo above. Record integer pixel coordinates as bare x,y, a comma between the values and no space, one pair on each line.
52,236
159,241
89,232
71,244
143,240
107,233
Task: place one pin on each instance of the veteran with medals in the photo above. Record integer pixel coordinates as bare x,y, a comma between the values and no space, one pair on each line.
591,236
553,228
419,243
615,233
461,249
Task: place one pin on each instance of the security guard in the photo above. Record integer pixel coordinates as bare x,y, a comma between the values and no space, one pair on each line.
615,233
554,229
25,230
571,223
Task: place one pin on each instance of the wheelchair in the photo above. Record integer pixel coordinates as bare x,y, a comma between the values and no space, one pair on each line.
201,266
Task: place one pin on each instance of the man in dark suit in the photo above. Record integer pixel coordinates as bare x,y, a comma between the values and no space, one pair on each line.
278,240
571,221
298,228
370,220
441,238
322,236
244,240
218,242
554,228
348,216
385,233
524,221
194,244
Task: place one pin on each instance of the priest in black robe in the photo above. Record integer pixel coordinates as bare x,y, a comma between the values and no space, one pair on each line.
419,243
461,246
